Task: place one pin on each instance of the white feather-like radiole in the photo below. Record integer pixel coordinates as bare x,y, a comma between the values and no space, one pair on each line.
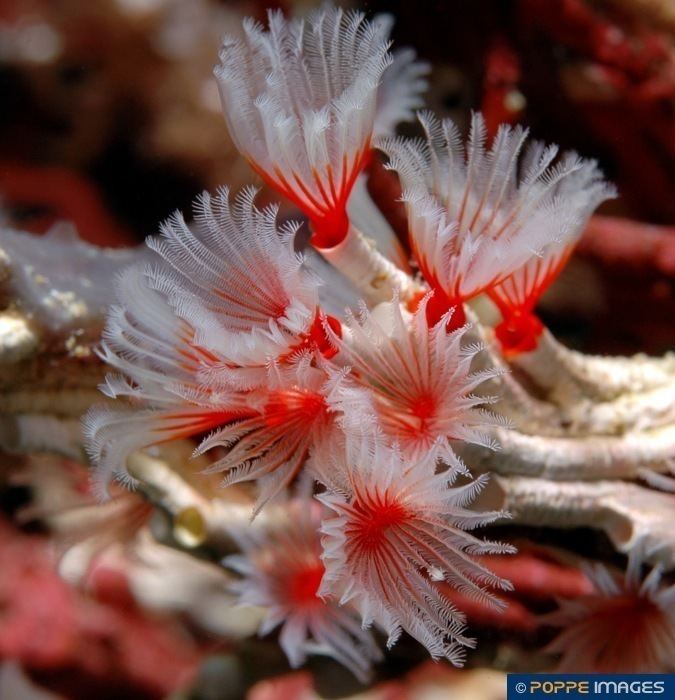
479,214
300,102
415,381
193,336
398,528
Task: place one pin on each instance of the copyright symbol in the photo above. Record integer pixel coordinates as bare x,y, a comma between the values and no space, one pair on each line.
521,688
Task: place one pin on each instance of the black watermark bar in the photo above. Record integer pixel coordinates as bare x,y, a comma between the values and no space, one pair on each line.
590,685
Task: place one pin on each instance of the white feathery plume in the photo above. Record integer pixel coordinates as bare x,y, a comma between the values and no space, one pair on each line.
300,100
285,419
477,214
192,338
400,92
268,431
413,381
579,193
236,278
158,372
399,527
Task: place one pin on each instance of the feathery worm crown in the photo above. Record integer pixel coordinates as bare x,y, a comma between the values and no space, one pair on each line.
300,102
395,522
641,607
193,334
476,214
281,569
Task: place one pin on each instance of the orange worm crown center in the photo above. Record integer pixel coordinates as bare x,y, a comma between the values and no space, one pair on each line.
437,306
316,338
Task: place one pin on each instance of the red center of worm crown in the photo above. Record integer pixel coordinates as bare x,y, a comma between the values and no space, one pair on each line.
316,339
330,226
304,584
621,621
518,333
423,406
373,521
437,306
293,405
330,229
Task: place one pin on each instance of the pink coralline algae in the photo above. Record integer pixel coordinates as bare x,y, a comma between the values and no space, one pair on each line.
47,627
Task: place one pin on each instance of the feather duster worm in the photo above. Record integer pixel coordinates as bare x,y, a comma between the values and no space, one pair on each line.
398,527
195,341
479,215
303,100
299,100
626,626
281,570
414,380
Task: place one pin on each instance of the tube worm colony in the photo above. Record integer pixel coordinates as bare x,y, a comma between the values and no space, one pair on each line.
368,435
